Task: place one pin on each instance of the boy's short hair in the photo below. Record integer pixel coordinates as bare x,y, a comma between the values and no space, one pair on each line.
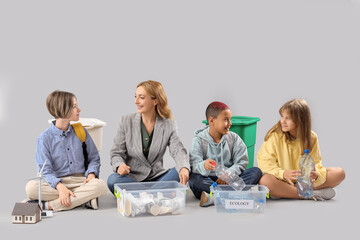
60,104
214,109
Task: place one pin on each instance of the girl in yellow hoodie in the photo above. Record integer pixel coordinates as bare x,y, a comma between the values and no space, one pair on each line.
284,144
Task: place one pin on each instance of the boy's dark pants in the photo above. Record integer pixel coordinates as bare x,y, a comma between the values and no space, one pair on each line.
199,183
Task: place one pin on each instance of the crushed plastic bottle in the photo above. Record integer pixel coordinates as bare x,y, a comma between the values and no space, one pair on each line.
229,177
304,185
150,203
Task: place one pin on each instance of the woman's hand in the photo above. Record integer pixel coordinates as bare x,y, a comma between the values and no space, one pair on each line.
184,175
208,165
64,194
90,177
291,175
123,169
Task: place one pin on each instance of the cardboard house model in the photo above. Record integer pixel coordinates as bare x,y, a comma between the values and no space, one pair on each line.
26,213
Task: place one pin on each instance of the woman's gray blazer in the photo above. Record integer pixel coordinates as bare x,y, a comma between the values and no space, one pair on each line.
127,148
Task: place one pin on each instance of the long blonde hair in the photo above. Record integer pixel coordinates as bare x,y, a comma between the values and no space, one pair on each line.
299,111
156,91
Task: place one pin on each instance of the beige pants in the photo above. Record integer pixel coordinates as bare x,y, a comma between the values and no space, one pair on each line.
83,192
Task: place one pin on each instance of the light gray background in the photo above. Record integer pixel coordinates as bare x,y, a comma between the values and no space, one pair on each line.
253,55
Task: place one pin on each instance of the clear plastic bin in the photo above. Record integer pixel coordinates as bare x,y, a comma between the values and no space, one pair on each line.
251,199
150,198
94,127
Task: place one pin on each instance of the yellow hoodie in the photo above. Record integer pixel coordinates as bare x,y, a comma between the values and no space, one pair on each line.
276,155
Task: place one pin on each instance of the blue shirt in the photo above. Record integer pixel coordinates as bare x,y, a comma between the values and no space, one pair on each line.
64,154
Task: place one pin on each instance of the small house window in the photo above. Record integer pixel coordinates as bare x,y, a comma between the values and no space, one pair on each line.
19,218
30,219
26,219
15,218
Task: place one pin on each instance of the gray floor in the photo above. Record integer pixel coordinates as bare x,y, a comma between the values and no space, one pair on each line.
284,219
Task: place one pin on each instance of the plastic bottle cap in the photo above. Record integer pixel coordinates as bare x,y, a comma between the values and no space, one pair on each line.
306,150
213,163
214,184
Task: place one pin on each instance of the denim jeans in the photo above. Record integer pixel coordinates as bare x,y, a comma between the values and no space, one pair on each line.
199,183
170,175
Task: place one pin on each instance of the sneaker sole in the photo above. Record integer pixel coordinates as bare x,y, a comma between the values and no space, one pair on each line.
94,204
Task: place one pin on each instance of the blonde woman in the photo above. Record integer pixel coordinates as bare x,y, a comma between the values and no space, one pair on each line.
141,140
72,181
279,155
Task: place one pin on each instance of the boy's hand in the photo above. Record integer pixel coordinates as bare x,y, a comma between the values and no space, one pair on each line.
291,175
64,194
220,182
123,169
89,177
208,165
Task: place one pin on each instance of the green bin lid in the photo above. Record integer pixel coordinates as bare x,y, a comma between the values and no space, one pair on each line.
240,120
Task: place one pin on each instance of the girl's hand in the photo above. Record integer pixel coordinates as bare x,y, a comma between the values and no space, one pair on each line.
123,169
184,175
208,165
291,175
64,194
313,176
89,177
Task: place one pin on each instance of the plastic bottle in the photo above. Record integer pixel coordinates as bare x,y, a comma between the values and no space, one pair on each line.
229,177
304,185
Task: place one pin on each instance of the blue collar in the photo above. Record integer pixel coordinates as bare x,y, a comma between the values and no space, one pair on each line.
59,131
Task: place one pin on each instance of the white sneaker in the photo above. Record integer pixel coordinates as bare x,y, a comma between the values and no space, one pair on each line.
324,194
95,204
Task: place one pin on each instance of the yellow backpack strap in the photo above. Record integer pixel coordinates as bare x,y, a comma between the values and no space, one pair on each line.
81,134
79,131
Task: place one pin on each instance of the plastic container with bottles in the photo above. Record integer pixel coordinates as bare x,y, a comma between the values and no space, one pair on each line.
251,199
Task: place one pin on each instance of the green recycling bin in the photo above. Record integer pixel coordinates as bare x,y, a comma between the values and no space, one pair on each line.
245,127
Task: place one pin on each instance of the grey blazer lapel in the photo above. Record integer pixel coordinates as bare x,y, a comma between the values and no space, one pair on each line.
157,139
136,136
